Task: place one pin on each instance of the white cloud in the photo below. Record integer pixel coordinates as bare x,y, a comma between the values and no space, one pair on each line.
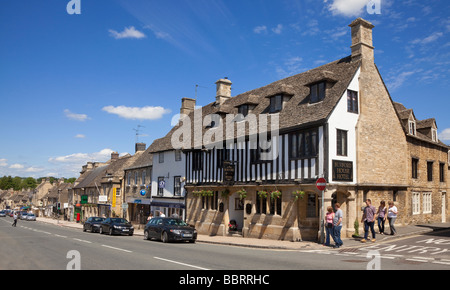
398,80
347,7
128,32
80,136
433,37
137,113
34,169
17,166
82,158
76,117
445,135
260,29
3,162
278,29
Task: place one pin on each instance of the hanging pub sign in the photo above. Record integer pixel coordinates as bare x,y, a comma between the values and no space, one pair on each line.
342,171
228,172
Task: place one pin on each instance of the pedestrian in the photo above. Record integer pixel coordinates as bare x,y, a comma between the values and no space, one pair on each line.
337,225
15,216
329,225
381,216
392,216
161,214
369,220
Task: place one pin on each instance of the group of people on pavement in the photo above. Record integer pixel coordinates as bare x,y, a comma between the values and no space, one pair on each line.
333,221
371,214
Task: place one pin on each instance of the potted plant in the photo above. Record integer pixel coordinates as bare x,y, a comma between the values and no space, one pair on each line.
298,194
262,194
242,193
275,194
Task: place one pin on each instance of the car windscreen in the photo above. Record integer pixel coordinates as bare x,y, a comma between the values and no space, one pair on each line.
98,219
174,222
119,220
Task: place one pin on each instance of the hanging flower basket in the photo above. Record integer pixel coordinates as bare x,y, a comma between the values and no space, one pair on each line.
298,194
225,193
197,192
207,193
262,194
242,193
275,194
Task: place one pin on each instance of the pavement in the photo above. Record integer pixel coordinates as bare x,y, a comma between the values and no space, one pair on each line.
402,232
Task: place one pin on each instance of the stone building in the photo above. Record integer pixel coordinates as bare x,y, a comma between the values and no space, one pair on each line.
252,160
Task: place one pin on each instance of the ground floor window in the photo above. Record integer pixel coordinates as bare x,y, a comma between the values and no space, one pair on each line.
427,202
416,203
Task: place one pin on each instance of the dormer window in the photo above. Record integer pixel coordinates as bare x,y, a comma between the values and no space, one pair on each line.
434,135
317,92
276,103
243,109
412,127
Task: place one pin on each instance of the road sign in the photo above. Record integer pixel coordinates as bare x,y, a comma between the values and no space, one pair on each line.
321,184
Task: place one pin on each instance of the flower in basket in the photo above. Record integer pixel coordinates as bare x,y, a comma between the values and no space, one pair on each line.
298,193
196,192
207,193
275,194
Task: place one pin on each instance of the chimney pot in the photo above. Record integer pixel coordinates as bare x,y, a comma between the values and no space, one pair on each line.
362,43
114,156
187,106
140,147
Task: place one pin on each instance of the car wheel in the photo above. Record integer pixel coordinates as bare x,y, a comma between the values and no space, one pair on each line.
164,237
146,237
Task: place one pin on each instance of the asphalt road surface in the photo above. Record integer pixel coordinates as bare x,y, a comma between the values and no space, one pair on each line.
40,246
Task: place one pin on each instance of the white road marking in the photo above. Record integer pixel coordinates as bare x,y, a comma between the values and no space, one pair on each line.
84,241
179,263
119,249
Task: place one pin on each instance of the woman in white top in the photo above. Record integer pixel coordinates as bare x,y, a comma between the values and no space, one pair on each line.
392,216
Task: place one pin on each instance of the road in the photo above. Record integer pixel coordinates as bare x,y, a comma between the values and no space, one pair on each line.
36,245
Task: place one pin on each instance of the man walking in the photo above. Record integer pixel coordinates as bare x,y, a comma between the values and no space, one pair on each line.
337,225
15,216
369,220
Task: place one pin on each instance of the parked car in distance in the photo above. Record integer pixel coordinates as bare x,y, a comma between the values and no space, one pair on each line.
2,213
93,224
169,229
116,225
31,217
23,215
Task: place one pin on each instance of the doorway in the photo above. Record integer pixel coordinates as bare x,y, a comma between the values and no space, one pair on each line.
443,211
236,210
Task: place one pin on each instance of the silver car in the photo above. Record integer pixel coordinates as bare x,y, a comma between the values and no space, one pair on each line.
31,217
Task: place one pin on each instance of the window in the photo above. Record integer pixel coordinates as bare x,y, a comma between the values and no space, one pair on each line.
427,202
414,166
434,135
261,204
197,160
276,103
135,178
144,173
161,185
211,202
430,170
352,101
275,206
441,172
222,155
129,178
416,202
177,185
262,152
412,127
178,155
304,144
161,157
317,92
243,109
341,146
311,209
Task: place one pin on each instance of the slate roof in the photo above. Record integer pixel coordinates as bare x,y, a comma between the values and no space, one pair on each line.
296,113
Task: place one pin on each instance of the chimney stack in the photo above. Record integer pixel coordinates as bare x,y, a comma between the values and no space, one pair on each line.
114,156
187,106
223,90
362,45
139,147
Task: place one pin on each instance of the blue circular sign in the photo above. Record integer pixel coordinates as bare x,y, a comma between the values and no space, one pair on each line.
143,192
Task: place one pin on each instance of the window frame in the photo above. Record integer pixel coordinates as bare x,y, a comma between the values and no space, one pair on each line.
430,171
273,107
427,202
317,92
415,203
414,168
177,186
352,102
341,142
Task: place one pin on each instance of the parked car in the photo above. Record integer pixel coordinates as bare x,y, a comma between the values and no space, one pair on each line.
23,215
169,229
93,224
116,225
2,213
31,217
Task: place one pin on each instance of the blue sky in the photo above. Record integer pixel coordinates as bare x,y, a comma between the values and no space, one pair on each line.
73,87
